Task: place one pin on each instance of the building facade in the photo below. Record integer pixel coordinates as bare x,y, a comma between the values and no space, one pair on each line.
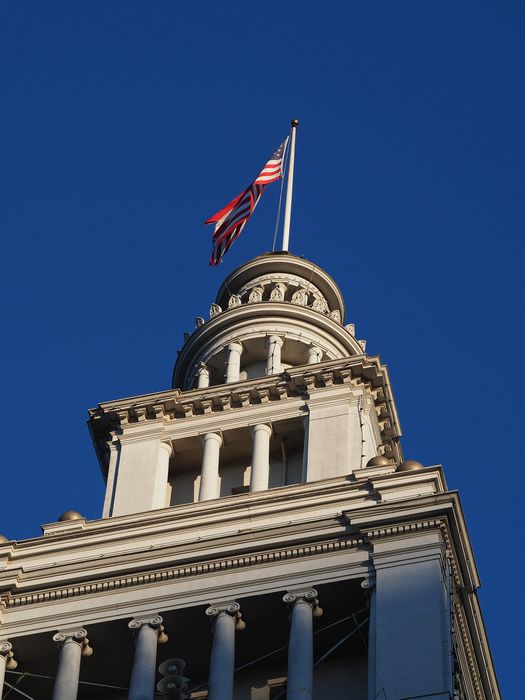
262,535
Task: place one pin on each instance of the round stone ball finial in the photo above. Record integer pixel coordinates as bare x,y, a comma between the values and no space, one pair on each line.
295,122
70,515
410,465
3,539
379,461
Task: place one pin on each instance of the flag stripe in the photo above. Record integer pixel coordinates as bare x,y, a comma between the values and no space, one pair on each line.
231,219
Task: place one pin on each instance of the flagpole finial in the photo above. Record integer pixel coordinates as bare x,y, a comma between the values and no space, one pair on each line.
295,122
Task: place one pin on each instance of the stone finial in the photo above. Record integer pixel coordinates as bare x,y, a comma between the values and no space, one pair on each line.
410,465
379,461
336,315
199,321
70,515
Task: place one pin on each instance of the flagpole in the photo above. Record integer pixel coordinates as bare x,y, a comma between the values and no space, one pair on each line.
289,188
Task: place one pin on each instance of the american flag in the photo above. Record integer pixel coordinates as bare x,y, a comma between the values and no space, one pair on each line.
231,219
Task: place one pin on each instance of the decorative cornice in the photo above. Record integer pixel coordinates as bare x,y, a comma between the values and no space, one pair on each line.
189,570
172,406
295,382
462,627
402,529
409,528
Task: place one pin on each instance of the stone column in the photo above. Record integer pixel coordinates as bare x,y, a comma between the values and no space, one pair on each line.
260,473
114,454
203,377
73,644
274,344
161,475
7,661
304,605
209,486
226,620
150,632
314,355
233,364
368,585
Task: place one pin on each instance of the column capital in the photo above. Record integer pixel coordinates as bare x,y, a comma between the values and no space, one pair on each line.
231,608
235,345
275,339
203,376
368,584
114,442
265,427
166,446
6,650
308,596
314,354
78,635
152,621
217,437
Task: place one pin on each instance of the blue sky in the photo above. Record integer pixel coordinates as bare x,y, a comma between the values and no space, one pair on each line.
126,124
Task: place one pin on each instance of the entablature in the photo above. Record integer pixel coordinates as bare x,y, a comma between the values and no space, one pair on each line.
283,394
251,557
283,517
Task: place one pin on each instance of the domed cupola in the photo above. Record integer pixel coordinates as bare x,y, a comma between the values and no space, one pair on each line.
275,312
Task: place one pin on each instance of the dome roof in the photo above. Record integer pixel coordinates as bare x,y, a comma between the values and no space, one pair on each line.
276,294
288,267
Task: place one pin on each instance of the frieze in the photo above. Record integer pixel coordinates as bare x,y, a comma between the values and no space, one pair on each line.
403,529
188,570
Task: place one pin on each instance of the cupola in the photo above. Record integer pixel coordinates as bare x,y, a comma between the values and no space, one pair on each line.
273,313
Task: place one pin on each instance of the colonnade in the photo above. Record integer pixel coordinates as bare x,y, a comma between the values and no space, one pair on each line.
234,350
260,471
226,620
261,433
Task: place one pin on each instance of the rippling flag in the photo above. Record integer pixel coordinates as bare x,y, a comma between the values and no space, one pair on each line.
231,219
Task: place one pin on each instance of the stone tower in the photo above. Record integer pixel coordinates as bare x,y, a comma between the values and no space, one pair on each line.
266,493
